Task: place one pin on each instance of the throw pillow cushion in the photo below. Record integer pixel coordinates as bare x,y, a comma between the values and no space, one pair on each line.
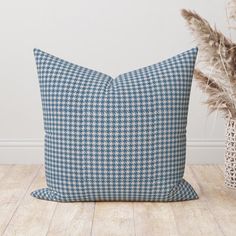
122,138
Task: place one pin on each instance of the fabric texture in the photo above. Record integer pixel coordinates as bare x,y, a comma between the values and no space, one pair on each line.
115,139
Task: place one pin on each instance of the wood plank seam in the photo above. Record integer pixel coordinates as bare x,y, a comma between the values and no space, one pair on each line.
91,231
207,201
134,220
175,223
221,169
49,225
7,172
22,197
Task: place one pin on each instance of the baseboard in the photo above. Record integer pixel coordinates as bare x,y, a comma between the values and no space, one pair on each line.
205,152
21,151
31,152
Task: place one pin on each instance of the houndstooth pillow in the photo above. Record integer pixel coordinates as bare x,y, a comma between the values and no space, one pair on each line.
120,138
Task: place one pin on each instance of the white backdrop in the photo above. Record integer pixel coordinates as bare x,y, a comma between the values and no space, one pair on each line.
109,36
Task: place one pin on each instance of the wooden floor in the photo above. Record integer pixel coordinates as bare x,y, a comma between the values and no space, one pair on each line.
20,214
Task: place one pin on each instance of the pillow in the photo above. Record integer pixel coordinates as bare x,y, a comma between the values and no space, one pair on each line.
115,139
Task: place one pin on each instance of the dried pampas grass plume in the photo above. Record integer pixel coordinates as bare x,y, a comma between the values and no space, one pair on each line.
232,9
216,96
214,47
217,57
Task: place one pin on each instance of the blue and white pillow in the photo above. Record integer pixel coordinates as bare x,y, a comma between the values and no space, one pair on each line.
115,139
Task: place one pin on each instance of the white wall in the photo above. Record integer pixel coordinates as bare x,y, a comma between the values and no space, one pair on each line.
109,36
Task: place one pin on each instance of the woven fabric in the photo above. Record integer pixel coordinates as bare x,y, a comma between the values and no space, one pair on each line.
115,139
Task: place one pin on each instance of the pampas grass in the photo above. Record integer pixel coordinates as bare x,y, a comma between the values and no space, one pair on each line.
232,9
217,61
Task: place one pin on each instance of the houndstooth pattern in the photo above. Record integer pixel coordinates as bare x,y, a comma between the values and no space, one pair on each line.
115,139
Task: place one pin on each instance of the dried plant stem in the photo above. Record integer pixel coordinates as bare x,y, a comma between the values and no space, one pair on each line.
217,56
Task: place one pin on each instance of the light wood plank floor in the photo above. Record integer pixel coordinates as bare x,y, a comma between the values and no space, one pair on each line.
20,214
